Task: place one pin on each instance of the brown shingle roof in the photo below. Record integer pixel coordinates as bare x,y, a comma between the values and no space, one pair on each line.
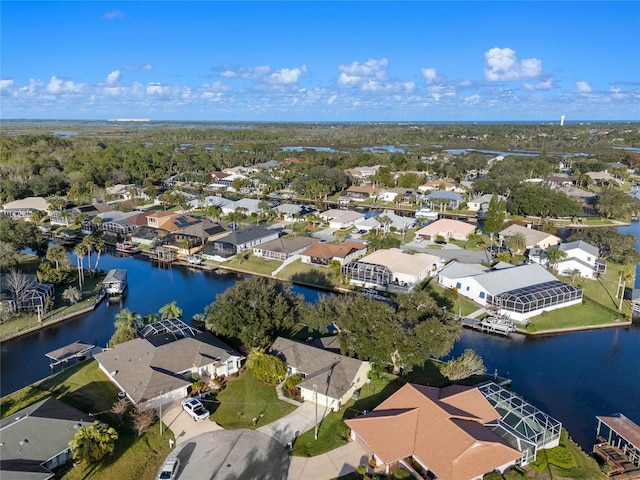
331,250
443,428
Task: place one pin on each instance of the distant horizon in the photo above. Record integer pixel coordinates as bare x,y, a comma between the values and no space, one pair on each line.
134,121
348,61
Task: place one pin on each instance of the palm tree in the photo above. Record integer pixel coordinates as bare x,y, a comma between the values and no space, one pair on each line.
81,251
88,241
517,242
72,295
99,245
214,211
170,310
127,318
57,254
554,255
150,318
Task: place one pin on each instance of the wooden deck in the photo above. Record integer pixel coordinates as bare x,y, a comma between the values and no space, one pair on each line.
621,467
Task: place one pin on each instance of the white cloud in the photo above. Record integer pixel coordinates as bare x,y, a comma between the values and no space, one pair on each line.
472,99
59,85
138,68
113,77
359,74
242,72
6,85
287,76
542,85
430,75
112,15
583,87
505,66
332,99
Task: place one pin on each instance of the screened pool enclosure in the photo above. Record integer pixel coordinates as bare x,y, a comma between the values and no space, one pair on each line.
536,297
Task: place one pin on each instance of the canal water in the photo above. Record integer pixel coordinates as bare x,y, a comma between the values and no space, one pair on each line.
573,377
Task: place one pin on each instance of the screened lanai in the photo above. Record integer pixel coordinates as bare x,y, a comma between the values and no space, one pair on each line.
536,297
521,419
367,273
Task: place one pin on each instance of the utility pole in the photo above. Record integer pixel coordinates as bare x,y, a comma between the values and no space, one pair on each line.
315,398
160,421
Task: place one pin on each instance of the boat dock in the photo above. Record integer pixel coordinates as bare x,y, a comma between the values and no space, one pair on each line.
501,326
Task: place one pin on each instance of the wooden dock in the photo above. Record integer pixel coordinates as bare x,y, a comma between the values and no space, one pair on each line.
499,326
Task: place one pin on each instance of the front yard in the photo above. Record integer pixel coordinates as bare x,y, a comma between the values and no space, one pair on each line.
244,399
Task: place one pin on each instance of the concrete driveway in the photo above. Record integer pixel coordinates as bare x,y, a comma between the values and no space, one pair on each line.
296,423
183,426
333,464
241,454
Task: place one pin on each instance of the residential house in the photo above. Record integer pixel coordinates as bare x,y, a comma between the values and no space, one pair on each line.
585,198
482,202
369,224
391,268
210,201
451,432
112,223
558,181
443,199
397,195
66,217
396,221
127,192
282,248
328,379
447,229
157,367
342,218
320,253
362,172
234,242
582,258
534,238
247,206
359,194
604,179
24,207
221,179
519,292
290,212
437,184
35,440
157,218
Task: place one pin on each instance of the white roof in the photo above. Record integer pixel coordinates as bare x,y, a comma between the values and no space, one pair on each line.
341,216
400,262
507,279
532,235
37,203
447,225
580,245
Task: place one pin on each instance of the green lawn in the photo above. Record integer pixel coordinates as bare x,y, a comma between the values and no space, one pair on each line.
323,277
248,261
246,398
462,305
603,290
332,431
586,468
85,387
574,316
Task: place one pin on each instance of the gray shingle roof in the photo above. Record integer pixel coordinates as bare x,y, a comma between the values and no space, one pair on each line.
47,427
333,374
143,369
587,247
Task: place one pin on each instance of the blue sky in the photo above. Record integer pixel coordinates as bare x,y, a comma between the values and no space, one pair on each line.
320,61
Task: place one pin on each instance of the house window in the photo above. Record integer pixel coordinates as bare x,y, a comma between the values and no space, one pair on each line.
458,285
481,294
467,288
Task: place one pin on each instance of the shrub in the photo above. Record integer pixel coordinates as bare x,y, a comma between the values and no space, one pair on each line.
401,474
266,368
362,469
561,457
540,463
492,476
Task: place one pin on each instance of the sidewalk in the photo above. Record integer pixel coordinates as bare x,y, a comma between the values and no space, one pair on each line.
296,423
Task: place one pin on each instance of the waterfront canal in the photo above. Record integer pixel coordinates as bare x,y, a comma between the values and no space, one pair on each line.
573,377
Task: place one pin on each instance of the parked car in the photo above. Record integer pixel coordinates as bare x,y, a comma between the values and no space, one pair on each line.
195,408
169,469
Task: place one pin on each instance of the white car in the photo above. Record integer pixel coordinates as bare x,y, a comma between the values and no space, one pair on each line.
169,469
194,408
